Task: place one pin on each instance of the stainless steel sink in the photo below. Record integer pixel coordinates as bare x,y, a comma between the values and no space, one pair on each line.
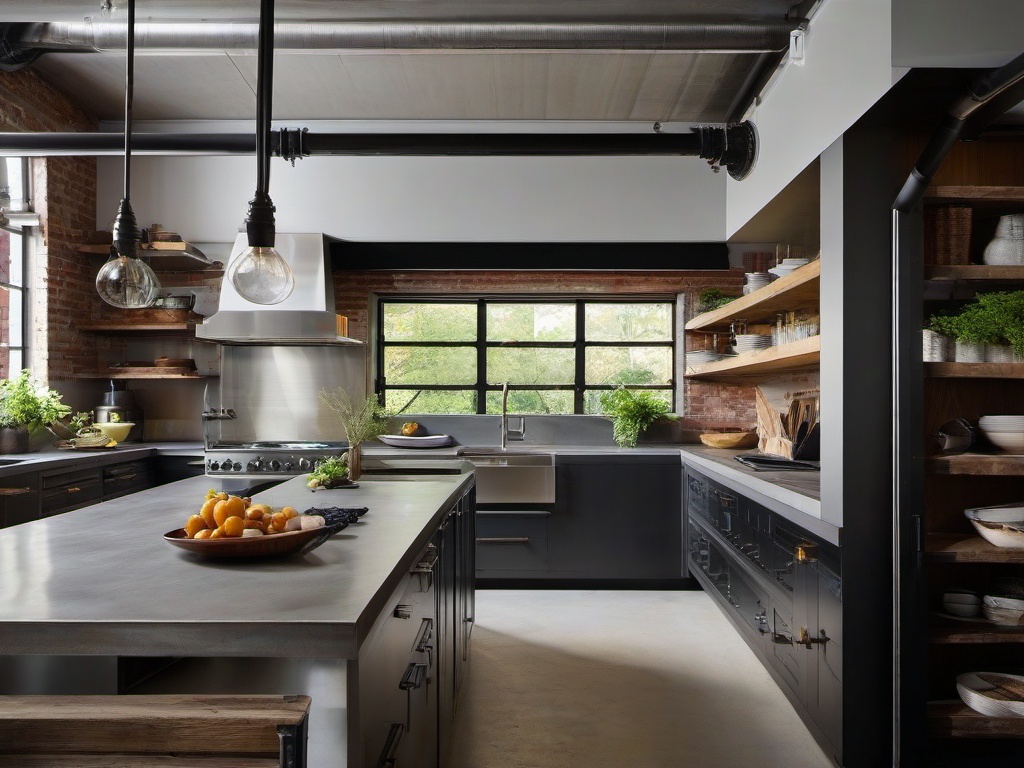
512,476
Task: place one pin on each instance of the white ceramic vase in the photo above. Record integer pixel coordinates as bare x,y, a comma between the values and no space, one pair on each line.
998,353
1007,247
970,352
935,347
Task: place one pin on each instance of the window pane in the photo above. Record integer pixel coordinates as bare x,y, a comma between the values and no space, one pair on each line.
532,401
629,365
592,399
531,366
430,365
12,259
429,322
531,322
430,401
628,322
11,314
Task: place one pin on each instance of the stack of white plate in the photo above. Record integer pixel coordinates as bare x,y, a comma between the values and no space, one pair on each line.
701,356
786,266
750,342
992,693
756,280
1005,432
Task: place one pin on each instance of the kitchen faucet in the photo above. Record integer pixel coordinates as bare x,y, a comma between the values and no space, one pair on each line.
506,434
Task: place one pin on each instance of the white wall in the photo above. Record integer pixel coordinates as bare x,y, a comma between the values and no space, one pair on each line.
954,33
847,69
430,198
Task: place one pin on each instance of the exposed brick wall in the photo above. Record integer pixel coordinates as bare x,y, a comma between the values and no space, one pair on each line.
64,293
708,404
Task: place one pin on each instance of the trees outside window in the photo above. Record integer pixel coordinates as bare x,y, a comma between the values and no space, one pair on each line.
453,355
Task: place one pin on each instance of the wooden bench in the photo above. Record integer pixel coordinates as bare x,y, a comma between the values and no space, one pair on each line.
167,731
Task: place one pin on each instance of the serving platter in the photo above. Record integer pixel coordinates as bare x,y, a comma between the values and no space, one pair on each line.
992,693
411,441
273,545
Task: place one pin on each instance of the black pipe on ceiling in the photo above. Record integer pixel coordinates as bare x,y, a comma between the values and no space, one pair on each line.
733,147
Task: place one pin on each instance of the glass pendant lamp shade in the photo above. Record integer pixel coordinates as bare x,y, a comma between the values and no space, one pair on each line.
261,275
127,282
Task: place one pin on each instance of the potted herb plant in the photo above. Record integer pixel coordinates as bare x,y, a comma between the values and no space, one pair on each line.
362,421
633,411
26,405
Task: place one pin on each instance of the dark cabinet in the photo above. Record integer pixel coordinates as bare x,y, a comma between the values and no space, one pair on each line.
781,587
615,518
421,645
127,477
19,499
65,490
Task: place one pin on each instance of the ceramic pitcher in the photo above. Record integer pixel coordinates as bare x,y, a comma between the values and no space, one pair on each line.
1007,247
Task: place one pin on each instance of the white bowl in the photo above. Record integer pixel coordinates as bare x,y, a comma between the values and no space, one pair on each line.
1006,617
964,598
999,535
1007,442
999,513
986,692
1010,603
962,610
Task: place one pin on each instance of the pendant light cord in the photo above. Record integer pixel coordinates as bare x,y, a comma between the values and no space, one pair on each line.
264,94
129,92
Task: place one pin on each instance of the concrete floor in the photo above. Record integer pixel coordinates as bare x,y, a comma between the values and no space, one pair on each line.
607,679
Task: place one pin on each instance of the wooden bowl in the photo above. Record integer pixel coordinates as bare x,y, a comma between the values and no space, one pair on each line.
734,440
273,545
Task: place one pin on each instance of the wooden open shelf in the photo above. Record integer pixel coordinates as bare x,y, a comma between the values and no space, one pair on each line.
126,328
134,376
973,272
797,290
975,464
974,370
975,634
967,548
796,355
954,719
966,194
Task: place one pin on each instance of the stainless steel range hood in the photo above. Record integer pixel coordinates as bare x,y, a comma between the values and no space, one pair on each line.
305,317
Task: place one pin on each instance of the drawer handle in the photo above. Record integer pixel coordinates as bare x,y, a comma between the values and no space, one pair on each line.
119,478
414,676
14,491
389,755
429,561
504,540
73,489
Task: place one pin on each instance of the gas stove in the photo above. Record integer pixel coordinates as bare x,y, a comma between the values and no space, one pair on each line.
267,458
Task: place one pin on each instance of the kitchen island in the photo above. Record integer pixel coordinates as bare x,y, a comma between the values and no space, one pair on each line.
100,582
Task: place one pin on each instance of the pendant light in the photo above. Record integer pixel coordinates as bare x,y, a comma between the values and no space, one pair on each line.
126,281
259,273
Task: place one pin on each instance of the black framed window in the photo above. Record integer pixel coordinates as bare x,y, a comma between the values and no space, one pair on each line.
558,355
13,305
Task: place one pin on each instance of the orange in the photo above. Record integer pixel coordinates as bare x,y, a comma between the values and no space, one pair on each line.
254,513
230,507
279,520
194,525
258,524
289,512
233,526
217,534
206,533
207,512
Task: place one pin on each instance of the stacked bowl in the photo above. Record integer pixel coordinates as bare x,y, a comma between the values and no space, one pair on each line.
1001,526
1004,432
756,280
751,342
701,356
786,266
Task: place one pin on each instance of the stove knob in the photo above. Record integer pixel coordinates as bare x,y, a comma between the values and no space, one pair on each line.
225,465
253,466
275,465
288,466
214,466
237,467
305,464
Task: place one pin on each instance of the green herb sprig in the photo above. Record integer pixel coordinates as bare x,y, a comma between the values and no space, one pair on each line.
25,402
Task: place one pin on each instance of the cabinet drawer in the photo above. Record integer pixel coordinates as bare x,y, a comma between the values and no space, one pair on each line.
509,541
19,499
70,490
122,479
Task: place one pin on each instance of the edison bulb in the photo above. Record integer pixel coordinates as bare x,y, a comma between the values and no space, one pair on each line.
261,275
127,282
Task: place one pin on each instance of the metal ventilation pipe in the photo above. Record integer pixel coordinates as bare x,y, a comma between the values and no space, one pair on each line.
739,37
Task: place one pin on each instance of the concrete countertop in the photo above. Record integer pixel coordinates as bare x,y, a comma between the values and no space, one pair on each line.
380,450
102,581
52,458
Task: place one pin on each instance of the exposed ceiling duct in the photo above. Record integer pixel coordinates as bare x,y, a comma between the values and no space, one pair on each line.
738,37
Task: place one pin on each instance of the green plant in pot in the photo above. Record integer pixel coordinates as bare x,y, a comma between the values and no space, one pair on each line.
713,298
26,405
362,421
633,411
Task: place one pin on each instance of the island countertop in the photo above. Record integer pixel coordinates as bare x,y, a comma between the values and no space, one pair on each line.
102,581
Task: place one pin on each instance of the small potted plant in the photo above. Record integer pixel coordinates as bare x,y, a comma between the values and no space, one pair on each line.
633,411
26,405
362,421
